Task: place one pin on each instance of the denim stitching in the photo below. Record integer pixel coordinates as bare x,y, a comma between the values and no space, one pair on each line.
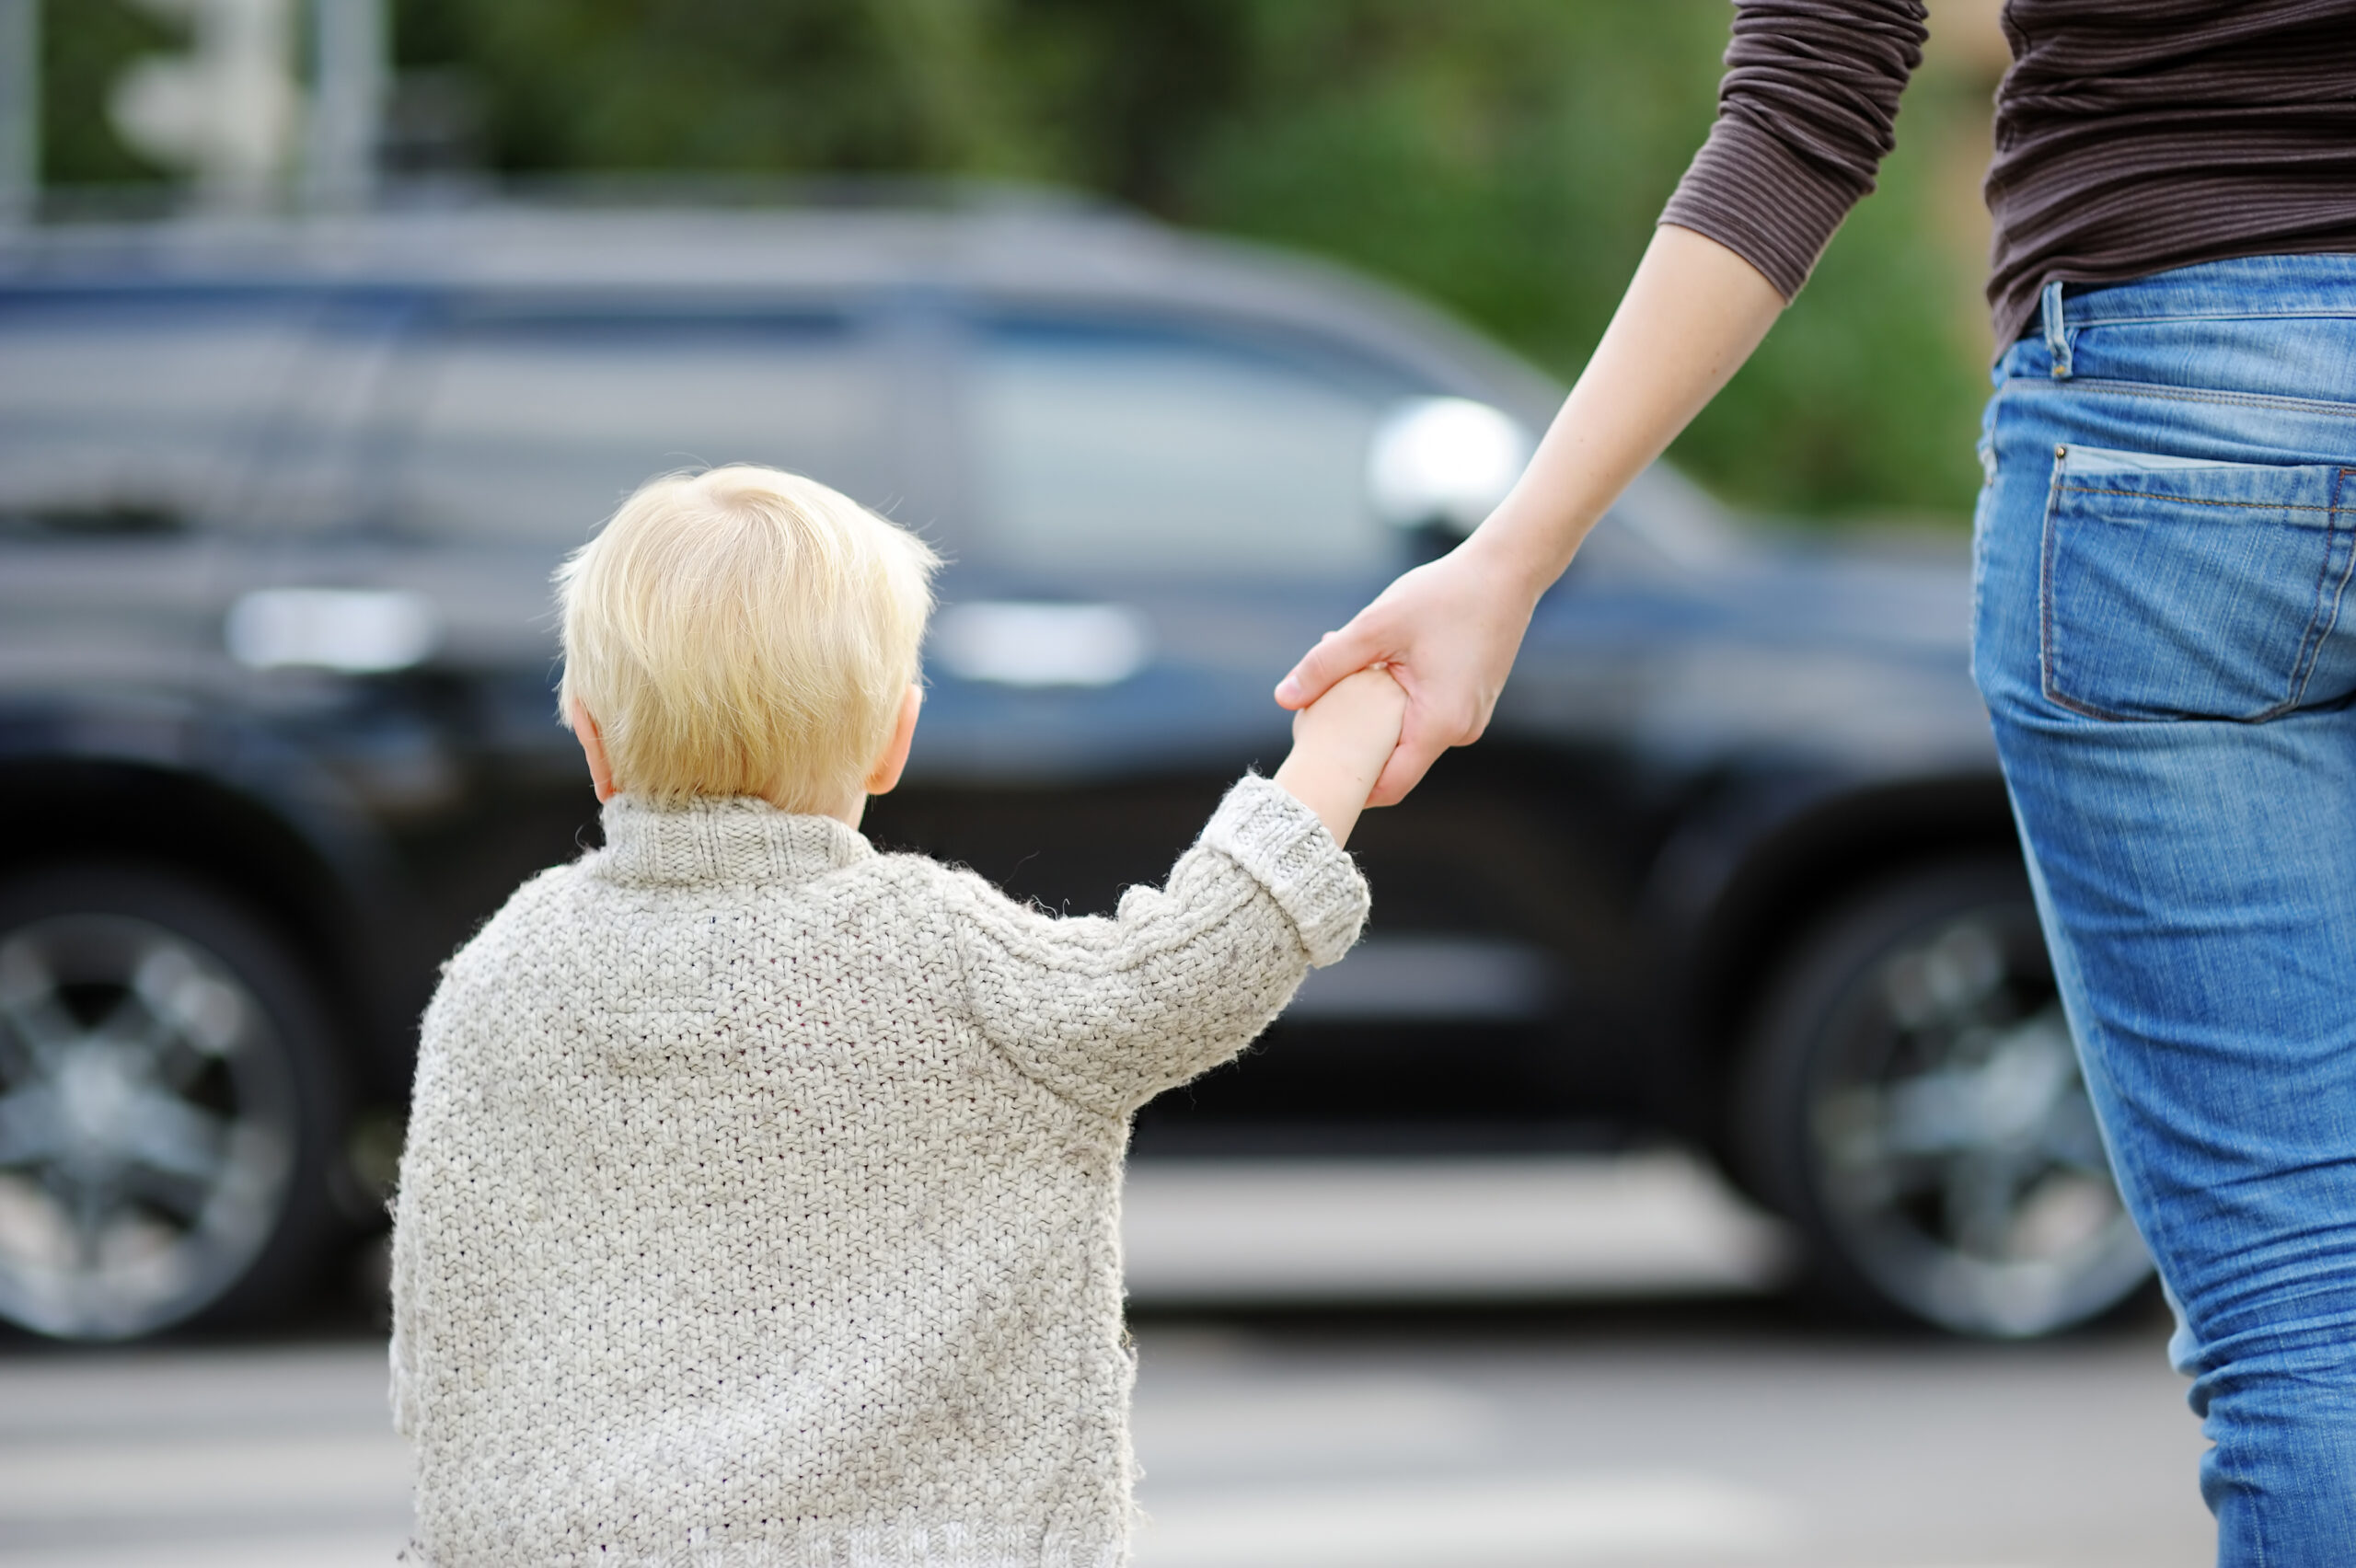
2319,619
2181,395
2304,314
2319,623
1982,510
2200,501
2327,620
2058,338
2048,676
2047,659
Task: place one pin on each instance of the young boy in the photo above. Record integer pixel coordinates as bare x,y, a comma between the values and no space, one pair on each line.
761,1198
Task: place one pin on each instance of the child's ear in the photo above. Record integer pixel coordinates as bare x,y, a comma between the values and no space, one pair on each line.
593,747
885,775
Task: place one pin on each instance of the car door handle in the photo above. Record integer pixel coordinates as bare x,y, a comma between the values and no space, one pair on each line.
351,630
1026,643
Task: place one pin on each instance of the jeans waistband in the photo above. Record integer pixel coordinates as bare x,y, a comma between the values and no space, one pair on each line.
2241,288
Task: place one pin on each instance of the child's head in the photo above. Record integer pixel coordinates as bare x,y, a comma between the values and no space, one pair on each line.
744,631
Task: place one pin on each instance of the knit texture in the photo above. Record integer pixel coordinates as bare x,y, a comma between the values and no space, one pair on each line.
761,1200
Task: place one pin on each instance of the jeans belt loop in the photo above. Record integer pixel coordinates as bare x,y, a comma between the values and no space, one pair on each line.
2057,330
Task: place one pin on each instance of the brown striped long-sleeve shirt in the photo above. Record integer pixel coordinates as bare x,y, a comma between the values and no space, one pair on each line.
2132,135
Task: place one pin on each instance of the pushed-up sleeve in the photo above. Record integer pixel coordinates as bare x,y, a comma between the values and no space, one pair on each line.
1108,1011
1806,110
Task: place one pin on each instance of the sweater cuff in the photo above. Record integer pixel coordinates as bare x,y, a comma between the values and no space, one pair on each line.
1762,199
1280,842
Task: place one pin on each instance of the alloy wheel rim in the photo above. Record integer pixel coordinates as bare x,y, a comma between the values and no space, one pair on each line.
1955,1145
147,1126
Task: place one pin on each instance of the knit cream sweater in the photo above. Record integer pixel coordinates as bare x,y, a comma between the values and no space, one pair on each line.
761,1198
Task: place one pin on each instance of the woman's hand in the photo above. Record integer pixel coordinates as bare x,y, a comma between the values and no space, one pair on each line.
1448,630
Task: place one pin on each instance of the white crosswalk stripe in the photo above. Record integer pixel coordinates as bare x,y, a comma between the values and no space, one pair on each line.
1498,1523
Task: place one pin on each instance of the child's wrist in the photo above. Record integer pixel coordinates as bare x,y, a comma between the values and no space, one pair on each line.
1341,744
1332,789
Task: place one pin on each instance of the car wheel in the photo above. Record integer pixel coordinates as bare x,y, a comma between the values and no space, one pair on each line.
1911,1100
166,1100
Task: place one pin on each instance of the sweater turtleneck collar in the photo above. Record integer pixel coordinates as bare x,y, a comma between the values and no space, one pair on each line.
715,841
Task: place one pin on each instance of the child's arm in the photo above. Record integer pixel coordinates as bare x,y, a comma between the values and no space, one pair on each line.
1110,1011
1339,745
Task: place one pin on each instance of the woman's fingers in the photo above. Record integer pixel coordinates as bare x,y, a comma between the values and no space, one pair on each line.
1410,760
1447,632
1337,653
1444,709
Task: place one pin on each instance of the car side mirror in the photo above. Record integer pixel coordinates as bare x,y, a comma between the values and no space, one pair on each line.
1439,466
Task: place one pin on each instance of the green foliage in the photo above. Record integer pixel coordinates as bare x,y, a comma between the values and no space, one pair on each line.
1864,400
1507,157
834,85
86,44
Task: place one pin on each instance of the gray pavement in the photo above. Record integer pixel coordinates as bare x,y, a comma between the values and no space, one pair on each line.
1710,1429
1732,1440
1657,1222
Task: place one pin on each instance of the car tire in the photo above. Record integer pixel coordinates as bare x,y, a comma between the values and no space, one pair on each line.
1909,1099
169,1107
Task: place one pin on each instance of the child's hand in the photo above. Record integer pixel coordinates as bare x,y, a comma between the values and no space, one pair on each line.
1357,722
1340,743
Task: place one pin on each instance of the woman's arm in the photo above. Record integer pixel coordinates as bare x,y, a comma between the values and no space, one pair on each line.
1806,111
1448,631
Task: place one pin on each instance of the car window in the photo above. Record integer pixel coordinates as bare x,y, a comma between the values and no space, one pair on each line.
532,430
1172,449
124,413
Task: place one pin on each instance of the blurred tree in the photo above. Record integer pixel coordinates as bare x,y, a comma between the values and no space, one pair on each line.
86,47
1507,157
1865,398
832,85
1510,157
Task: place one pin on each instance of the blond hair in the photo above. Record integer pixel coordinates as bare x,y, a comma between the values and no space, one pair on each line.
744,631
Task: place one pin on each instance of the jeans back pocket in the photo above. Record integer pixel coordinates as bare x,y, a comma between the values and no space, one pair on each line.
2175,588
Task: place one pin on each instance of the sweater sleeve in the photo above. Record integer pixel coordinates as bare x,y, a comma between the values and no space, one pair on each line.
1806,111
1108,1012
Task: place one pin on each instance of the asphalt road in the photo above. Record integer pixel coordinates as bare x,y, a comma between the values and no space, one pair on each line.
1705,1429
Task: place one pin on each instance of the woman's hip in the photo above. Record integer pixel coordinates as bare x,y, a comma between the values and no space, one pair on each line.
2262,343
2166,638
2168,529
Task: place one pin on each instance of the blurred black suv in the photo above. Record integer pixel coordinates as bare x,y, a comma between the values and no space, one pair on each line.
278,508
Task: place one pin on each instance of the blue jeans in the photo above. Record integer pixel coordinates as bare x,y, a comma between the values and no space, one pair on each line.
2167,638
